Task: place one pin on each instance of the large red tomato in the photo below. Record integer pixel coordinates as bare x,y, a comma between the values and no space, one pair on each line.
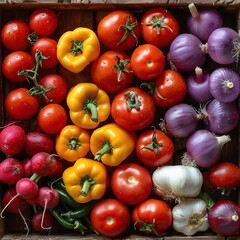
20,105
133,109
154,148
152,216
147,62
170,89
159,27
112,72
110,217
119,30
14,35
131,183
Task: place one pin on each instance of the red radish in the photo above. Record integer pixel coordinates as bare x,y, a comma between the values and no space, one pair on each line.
38,142
12,203
27,166
33,201
27,188
12,139
48,197
43,164
42,221
59,170
11,170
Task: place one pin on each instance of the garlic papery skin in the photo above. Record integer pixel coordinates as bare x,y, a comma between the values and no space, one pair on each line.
190,216
177,181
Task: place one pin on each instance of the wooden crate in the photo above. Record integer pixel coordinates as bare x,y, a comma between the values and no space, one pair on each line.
87,14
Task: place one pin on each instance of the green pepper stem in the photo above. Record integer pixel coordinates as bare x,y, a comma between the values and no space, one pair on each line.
106,149
90,106
87,184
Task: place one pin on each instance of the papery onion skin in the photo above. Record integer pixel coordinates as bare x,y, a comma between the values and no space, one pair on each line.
181,120
224,84
221,47
220,117
187,52
204,148
206,21
224,218
197,85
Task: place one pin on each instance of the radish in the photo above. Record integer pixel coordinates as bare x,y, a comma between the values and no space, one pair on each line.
27,188
48,197
42,221
27,166
11,170
12,139
59,170
43,164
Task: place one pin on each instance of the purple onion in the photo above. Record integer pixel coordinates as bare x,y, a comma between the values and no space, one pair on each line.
197,84
224,84
187,52
220,117
224,45
203,22
181,120
204,148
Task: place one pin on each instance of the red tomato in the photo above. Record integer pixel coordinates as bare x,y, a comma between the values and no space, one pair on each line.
48,48
133,109
110,217
119,30
14,35
224,175
171,89
112,72
15,62
159,27
154,148
43,21
131,183
52,118
60,90
20,105
152,216
147,62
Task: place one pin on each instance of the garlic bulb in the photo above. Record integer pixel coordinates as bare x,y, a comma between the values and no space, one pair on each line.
177,181
190,216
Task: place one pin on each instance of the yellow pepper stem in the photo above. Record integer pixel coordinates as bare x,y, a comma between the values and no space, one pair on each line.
87,184
76,48
90,106
106,148
73,143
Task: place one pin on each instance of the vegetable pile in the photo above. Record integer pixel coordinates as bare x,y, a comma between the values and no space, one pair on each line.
103,156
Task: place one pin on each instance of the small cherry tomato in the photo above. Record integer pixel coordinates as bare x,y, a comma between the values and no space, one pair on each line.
48,49
152,216
159,27
110,217
112,72
14,63
43,21
147,62
170,89
131,183
119,30
59,88
154,148
20,105
14,35
52,118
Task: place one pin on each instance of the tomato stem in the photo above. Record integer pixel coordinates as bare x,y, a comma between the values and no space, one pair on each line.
120,66
132,100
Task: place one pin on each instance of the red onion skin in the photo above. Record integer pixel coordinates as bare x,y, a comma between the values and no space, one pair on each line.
186,52
224,84
198,88
205,23
220,218
202,147
181,120
220,45
220,117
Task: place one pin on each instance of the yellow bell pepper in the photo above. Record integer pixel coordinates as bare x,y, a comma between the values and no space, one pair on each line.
86,180
112,144
88,105
77,48
72,143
